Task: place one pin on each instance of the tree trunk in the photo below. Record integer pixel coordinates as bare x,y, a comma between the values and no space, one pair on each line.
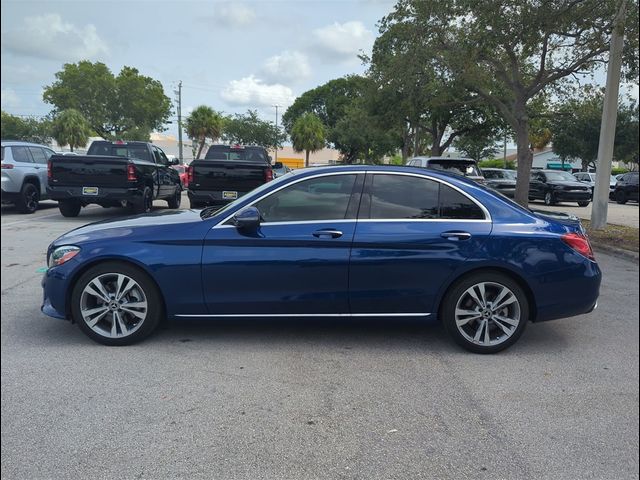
525,160
306,159
416,140
200,149
405,145
71,146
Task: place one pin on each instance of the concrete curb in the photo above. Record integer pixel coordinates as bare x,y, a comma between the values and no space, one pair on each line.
616,252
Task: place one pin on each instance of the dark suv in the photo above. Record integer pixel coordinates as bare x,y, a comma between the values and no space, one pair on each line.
626,188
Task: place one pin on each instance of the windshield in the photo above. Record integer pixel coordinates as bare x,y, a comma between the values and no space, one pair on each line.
559,177
499,174
215,210
461,167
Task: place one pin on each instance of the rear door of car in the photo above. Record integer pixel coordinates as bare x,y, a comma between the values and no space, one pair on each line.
412,233
40,157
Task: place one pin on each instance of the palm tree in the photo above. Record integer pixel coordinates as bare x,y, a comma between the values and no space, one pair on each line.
204,122
308,135
71,128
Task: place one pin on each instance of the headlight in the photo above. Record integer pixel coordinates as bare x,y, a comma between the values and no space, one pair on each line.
62,255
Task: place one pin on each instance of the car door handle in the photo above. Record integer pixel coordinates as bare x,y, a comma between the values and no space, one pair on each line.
329,232
456,236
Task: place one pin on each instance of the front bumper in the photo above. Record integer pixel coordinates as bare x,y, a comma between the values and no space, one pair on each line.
572,196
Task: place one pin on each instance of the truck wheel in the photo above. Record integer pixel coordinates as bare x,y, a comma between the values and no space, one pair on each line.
174,202
69,208
28,198
144,206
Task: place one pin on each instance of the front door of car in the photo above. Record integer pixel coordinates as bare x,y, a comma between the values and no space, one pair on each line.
296,263
412,234
537,187
166,185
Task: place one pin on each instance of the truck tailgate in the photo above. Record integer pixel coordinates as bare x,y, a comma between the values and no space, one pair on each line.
88,171
220,175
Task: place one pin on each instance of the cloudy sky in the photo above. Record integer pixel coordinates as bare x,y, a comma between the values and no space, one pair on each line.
230,55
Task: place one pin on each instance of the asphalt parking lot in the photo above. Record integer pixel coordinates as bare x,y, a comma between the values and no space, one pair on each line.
388,399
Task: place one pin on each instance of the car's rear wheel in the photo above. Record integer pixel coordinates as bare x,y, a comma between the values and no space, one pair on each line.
116,304
583,204
69,208
27,201
485,312
174,202
146,202
549,198
621,197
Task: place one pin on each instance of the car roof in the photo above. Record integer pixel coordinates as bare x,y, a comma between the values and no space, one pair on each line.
20,143
492,169
443,158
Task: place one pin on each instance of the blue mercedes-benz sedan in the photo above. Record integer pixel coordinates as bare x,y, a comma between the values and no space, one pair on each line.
352,241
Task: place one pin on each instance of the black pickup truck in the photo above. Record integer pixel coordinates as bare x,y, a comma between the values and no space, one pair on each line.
226,173
127,174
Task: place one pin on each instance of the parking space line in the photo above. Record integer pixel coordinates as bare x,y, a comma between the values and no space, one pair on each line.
38,218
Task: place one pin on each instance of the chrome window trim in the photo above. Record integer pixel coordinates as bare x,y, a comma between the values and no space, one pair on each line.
285,315
487,219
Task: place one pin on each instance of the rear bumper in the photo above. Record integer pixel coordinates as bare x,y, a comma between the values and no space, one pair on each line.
211,197
105,194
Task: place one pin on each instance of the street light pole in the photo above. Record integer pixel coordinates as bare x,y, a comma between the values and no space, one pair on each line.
608,125
179,93
277,133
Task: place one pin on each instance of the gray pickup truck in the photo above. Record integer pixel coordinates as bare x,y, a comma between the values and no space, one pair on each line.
127,174
24,174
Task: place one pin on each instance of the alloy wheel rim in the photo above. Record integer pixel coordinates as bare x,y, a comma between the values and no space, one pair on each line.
113,305
548,199
30,197
487,314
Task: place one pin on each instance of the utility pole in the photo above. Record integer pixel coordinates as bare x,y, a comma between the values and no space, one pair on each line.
608,125
504,154
277,132
179,93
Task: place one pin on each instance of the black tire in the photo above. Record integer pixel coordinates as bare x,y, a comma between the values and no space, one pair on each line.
174,202
621,197
69,208
195,205
146,202
583,204
28,198
549,199
154,312
456,293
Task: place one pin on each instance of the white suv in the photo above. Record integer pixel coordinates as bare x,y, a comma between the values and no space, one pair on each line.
24,174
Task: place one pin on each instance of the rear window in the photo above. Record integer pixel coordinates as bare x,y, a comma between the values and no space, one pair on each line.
236,154
140,152
460,167
21,154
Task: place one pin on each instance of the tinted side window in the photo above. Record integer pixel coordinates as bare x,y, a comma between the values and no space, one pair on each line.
38,155
454,205
48,153
21,154
323,198
401,196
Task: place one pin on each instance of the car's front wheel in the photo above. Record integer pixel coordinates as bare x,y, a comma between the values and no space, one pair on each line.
116,304
549,198
583,204
485,312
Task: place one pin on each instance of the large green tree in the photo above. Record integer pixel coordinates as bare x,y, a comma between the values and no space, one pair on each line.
507,52
249,129
70,127
114,106
576,129
308,135
204,123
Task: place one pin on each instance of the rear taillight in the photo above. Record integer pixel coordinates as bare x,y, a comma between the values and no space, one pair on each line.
7,166
579,243
190,175
49,170
268,175
131,173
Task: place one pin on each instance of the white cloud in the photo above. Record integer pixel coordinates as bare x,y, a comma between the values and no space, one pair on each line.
234,14
253,92
343,40
287,66
9,99
48,36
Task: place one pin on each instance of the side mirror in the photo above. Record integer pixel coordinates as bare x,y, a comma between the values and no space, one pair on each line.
277,165
247,219
174,161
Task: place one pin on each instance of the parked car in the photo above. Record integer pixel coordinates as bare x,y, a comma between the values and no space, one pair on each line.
24,174
226,173
555,186
590,179
343,241
619,176
626,188
460,166
182,172
280,169
128,174
501,180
